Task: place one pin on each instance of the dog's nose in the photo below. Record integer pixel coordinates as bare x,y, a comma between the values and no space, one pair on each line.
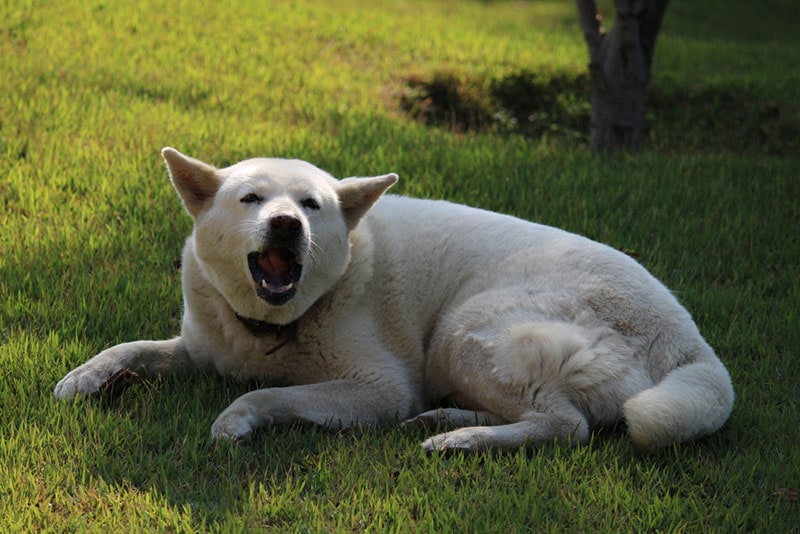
285,225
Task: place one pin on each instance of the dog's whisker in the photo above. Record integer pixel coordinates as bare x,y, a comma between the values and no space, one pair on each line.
247,227
313,250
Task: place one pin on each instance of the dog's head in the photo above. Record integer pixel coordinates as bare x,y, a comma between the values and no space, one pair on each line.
271,235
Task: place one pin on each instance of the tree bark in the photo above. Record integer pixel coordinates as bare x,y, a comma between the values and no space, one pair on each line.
619,68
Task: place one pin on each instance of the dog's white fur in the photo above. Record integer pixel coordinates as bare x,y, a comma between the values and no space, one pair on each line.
514,331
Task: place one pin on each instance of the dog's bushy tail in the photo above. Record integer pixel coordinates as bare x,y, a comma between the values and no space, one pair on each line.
691,401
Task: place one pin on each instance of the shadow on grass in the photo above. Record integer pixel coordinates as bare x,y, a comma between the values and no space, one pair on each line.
678,118
155,437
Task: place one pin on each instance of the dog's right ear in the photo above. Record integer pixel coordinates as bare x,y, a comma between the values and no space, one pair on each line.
195,181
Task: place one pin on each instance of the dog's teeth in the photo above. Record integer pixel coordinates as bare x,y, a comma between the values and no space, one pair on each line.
264,284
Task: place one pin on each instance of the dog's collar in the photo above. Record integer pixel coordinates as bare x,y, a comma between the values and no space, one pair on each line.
284,332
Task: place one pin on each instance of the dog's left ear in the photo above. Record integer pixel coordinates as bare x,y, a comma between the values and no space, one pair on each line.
195,181
357,195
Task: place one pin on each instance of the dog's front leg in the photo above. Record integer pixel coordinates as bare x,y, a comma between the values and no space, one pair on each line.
144,358
339,403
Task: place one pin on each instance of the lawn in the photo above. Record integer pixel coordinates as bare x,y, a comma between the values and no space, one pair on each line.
90,231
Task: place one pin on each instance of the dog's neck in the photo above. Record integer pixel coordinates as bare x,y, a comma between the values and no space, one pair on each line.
283,332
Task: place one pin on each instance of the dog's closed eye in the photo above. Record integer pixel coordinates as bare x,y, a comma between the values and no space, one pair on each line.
310,203
250,198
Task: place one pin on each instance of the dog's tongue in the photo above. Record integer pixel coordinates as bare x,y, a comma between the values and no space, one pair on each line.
275,265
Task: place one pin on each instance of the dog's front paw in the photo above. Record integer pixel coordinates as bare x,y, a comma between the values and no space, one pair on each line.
244,416
234,426
88,379
106,375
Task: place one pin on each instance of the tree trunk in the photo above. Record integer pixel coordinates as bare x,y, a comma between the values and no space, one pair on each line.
619,68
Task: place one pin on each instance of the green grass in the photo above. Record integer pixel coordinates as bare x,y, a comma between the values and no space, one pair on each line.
90,230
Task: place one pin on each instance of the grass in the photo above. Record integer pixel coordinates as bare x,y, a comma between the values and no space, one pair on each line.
90,230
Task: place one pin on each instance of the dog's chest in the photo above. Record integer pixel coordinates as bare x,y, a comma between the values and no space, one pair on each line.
280,356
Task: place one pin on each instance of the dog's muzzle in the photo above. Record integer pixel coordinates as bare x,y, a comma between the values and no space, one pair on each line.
276,269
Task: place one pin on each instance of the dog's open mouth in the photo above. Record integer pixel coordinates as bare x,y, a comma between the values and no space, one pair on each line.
275,272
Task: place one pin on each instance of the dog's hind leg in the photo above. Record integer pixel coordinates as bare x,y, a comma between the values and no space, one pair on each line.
513,371
567,426
454,418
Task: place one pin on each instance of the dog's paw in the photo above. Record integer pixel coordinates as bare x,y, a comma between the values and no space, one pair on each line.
453,417
106,374
416,422
233,426
465,439
88,379
428,420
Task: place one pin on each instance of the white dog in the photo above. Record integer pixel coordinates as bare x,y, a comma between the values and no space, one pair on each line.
367,307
